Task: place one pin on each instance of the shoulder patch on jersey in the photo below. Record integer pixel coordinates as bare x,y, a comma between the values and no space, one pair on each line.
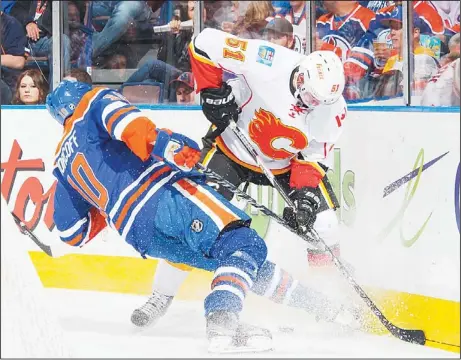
265,55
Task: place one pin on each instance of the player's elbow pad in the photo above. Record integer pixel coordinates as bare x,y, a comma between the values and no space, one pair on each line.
306,174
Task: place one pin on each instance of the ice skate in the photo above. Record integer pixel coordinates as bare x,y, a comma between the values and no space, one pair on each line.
227,335
152,310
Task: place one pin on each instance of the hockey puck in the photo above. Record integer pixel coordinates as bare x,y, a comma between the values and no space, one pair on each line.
286,329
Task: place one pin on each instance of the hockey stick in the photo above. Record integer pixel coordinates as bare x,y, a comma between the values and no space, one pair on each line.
246,143
24,230
312,243
412,336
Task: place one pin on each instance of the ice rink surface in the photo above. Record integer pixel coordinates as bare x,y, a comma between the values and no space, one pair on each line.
98,324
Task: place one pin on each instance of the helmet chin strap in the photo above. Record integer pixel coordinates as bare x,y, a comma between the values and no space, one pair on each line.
294,90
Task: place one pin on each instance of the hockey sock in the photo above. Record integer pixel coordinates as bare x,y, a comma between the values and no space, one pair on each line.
240,253
279,286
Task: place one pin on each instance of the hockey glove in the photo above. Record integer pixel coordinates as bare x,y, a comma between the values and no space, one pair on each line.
307,203
219,106
176,150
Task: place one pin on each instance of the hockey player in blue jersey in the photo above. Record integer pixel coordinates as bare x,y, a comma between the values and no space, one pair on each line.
113,165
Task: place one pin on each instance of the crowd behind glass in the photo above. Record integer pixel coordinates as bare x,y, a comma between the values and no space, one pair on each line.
140,47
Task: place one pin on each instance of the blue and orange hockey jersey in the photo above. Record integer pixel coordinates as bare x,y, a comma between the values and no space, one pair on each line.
104,169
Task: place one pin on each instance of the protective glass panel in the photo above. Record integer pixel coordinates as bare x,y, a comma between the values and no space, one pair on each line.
137,47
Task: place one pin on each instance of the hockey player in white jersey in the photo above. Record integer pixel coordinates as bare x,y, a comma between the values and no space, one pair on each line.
290,106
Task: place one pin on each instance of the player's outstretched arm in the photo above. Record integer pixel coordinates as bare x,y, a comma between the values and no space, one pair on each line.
125,122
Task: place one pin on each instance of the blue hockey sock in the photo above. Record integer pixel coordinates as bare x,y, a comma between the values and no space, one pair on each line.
240,253
279,286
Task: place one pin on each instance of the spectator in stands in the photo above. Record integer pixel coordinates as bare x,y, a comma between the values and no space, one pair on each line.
280,31
19,10
297,16
157,71
365,63
343,27
223,14
77,35
449,12
425,65
117,58
454,50
122,14
174,49
281,7
257,16
183,86
13,54
78,75
39,31
6,5
31,88
443,89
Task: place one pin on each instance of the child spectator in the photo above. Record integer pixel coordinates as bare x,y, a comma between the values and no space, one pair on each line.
31,88
13,54
425,65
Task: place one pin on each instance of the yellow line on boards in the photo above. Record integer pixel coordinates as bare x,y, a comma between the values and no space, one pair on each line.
439,318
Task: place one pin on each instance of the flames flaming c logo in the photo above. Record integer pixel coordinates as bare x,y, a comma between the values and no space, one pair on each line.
265,129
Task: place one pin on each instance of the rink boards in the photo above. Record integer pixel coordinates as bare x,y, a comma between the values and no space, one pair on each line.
396,175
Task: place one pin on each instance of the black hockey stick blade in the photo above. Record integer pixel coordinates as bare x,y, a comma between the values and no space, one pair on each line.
411,336
23,228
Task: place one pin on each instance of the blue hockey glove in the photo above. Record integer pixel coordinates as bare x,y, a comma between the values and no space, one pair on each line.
176,150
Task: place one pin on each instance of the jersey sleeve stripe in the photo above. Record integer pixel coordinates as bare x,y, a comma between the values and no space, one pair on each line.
76,240
110,108
124,122
73,229
116,116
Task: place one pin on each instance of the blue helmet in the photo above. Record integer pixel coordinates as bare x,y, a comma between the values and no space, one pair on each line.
61,102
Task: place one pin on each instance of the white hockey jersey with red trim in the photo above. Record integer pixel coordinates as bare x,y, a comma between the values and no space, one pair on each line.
277,125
